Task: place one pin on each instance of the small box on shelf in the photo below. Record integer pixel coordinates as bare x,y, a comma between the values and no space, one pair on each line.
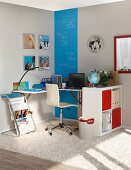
16,86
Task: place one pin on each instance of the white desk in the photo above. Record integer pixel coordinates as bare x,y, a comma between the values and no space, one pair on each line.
43,91
29,91
73,90
34,91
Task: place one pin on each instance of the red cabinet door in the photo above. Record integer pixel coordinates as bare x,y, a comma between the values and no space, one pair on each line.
106,100
116,118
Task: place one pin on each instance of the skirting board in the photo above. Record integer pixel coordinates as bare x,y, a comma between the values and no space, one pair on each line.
126,127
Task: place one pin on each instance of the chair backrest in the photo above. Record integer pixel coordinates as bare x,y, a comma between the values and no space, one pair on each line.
52,94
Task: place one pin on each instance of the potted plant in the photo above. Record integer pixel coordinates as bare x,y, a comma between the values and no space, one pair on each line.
105,76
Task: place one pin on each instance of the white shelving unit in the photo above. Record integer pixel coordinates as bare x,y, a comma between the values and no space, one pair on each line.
105,106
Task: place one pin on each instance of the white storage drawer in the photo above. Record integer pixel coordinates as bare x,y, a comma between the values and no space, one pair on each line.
106,121
115,98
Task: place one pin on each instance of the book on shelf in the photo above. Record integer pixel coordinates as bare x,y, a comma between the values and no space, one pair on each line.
16,86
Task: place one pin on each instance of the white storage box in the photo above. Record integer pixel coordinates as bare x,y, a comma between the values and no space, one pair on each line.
115,98
106,121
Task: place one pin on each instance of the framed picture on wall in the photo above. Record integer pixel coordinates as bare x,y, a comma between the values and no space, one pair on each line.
95,44
28,41
44,42
43,62
29,62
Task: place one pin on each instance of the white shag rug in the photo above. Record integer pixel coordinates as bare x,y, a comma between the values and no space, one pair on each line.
110,152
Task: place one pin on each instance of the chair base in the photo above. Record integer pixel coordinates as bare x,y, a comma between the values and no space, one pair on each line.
61,125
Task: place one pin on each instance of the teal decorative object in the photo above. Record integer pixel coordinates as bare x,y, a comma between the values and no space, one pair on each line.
93,77
24,85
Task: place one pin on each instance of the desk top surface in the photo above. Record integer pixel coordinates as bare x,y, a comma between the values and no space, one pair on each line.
78,90
36,91
31,91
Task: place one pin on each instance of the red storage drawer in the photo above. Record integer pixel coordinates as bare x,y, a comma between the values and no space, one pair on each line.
116,118
106,100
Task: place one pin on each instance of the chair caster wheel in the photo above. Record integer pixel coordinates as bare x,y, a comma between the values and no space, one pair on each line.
76,129
50,133
46,129
70,133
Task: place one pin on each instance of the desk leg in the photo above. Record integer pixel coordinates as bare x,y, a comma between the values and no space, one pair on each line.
27,97
80,104
79,100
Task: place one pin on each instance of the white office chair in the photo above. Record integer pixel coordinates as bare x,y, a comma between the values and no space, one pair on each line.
53,99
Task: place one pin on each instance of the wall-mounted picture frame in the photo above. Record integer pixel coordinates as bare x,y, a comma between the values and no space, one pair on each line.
43,62
29,62
28,41
44,42
95,44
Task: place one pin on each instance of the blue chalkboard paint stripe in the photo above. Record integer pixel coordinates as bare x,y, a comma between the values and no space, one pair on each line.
66,51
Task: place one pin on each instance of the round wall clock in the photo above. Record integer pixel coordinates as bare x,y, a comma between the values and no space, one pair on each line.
95,43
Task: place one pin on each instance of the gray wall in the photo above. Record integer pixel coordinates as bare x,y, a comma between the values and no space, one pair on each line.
107,21
15,20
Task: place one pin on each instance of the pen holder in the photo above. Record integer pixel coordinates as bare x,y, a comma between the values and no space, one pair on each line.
63,85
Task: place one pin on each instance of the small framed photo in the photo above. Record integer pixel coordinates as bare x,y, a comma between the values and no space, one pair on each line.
29,62
28,41
95,44
43,62
43,42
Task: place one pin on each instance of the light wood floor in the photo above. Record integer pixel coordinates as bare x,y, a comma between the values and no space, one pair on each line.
15,161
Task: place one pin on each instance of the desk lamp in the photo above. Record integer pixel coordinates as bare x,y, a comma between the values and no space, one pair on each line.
26,73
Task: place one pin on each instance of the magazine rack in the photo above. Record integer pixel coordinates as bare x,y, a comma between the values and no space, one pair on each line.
20,113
